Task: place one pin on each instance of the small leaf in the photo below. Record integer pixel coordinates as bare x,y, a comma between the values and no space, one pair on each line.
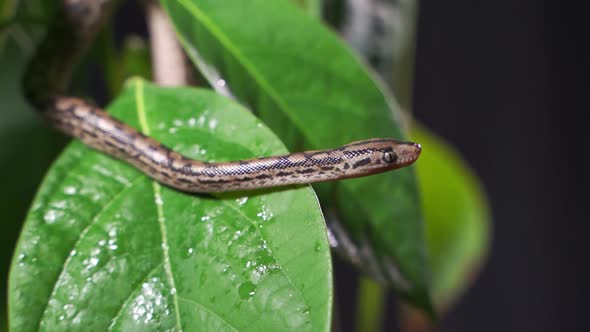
136,58
106,248
133,60
7,10
457,218
307,86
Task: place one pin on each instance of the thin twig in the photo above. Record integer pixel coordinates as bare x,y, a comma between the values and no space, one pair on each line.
168,61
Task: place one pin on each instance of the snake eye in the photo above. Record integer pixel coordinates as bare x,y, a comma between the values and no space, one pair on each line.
389,156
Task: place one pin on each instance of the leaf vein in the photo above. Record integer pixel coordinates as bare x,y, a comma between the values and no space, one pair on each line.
257,77
282,271
139,96
81,237
124,304
209,311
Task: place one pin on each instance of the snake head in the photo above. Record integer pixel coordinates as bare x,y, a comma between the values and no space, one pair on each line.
406,153
379,155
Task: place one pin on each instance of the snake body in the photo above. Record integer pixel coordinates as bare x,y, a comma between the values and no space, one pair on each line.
99,130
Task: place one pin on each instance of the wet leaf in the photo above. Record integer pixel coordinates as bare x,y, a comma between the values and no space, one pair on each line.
27,148
305,84
106,248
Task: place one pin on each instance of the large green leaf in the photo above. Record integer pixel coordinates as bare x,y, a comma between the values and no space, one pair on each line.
106,248
308,87
27,148
312,7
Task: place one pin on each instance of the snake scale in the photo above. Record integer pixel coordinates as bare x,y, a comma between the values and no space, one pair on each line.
48,75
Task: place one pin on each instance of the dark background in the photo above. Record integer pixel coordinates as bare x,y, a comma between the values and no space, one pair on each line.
506,82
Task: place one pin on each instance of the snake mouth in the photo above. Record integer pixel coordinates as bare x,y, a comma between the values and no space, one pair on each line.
409,153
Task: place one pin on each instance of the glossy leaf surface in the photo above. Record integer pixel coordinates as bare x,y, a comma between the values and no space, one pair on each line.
307,86
21,130
105,248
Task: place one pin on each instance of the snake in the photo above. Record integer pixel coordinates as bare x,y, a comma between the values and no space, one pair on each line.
48,75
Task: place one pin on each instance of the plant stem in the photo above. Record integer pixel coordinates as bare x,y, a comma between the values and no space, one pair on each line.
371,301
167,58
110,60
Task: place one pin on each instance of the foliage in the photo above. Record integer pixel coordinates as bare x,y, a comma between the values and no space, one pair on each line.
104,247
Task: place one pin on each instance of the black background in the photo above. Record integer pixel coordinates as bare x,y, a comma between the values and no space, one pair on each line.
505,83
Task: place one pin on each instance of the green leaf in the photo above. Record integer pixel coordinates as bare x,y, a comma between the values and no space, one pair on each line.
7,10
457,218
24,22
307,86
106,248
312,7
136,58
27,147
132,61
371,304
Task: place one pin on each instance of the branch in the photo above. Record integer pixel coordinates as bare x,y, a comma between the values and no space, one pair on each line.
168,61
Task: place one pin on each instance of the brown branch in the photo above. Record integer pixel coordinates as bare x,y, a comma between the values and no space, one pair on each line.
168,61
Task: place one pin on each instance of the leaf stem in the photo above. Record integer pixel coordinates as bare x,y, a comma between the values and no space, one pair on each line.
371,302
168,62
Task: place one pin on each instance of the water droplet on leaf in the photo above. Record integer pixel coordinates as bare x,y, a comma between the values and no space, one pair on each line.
246,290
